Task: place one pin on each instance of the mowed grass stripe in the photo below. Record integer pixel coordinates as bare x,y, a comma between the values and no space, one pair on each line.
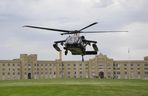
74,82
70,87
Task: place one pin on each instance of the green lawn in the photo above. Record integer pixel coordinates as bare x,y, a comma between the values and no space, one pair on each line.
71,87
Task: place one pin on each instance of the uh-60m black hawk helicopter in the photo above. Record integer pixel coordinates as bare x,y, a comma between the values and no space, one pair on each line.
76,44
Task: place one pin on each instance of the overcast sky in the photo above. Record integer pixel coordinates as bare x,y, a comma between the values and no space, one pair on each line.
131,15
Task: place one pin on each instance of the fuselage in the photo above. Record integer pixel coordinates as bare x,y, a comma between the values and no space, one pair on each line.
75,45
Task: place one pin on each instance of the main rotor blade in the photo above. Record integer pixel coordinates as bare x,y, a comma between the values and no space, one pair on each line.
88,26
92,32
101,31
47,28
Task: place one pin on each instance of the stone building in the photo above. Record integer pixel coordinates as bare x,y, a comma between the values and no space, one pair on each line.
28,67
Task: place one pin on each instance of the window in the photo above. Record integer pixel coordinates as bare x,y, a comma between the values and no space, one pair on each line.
29,68
80,64
8,73
145,72
86,64
86,68
68,64
37,73
116,65
131,68
125,72
54,73
125,64
100,64
138,68
75,72
68,72
138,64
132,65
145,68
138,73
118,72
74,64
145,64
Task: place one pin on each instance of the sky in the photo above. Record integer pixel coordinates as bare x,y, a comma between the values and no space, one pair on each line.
130,15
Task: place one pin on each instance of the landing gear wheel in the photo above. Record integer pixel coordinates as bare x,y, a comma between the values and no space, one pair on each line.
66,52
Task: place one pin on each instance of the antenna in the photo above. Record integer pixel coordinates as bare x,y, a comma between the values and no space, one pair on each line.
82,58
129,53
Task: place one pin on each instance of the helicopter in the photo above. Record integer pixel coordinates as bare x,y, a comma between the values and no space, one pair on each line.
75,43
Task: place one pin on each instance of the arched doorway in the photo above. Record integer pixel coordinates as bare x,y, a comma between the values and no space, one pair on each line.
101,75
29,75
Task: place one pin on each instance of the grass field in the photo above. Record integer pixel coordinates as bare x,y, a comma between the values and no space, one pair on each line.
70,87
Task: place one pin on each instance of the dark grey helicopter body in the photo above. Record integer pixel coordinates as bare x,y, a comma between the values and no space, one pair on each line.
76,44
